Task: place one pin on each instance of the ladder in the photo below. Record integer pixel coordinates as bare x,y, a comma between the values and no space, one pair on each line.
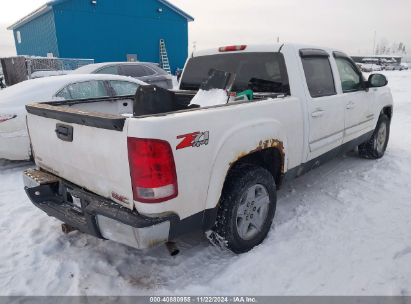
164,62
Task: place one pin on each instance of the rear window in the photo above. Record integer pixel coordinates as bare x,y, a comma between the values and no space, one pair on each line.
261,72
135,70
112,70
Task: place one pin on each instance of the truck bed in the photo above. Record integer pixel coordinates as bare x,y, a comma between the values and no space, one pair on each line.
111,112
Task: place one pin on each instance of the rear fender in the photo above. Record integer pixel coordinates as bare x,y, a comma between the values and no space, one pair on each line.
238,142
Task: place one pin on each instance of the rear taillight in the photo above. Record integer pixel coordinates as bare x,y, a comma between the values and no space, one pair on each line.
232,48
6,117
152,168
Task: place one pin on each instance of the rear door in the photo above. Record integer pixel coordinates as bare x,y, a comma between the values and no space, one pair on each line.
358,115
325,106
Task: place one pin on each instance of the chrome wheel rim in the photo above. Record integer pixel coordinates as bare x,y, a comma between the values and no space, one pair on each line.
252,212
381,138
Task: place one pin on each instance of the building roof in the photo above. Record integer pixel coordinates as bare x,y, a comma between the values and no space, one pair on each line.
33,15
48,6
177,10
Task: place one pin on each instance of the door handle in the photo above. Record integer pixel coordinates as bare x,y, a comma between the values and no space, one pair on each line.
318,113
350,105
64,132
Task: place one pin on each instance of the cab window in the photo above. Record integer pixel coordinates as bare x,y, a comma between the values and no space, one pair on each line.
351,79
319,76
261,72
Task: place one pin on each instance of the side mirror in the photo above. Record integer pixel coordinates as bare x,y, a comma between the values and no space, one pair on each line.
377,81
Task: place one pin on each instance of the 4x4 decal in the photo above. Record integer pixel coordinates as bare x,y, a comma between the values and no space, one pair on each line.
193,140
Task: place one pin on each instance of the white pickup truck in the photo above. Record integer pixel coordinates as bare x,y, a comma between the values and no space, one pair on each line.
145,169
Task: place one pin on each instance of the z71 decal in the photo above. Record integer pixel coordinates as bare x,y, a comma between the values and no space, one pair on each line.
193,140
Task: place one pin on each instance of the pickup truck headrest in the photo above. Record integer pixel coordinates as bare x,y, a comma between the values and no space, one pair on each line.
150,100
219,80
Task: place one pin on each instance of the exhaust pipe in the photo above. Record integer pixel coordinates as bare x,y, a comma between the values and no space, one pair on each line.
172,248
67,228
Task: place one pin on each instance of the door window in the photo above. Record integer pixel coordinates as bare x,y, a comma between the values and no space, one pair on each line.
64,93
84,90
149,71
350,77
133,70
123,88
319,76
111,70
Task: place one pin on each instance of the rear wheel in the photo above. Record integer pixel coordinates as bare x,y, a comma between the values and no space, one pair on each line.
376,146
247,208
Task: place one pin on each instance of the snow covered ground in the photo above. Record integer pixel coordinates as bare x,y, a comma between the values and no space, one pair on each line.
343,229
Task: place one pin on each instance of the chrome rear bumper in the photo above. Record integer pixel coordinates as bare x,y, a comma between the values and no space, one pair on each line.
93,214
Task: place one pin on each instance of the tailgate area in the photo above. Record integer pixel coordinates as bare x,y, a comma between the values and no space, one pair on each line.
90,155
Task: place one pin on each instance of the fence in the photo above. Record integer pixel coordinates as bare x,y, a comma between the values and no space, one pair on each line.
20,68
14,69
42,64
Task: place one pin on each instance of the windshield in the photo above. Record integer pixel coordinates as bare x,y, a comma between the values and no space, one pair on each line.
261,72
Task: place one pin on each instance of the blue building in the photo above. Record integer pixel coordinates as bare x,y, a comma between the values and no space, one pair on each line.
105,30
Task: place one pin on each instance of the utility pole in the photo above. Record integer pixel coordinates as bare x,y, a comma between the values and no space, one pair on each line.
375,39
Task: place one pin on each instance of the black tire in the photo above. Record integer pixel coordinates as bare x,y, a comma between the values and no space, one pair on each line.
374,148
238,184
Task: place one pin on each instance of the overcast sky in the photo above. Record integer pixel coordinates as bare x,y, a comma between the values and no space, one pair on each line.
345,24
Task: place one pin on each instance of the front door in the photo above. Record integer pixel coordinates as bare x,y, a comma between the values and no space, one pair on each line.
358,115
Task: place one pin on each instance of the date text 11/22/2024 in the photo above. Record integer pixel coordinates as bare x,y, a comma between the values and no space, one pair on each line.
203,299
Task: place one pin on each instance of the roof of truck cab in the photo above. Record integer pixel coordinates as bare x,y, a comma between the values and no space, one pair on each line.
256,48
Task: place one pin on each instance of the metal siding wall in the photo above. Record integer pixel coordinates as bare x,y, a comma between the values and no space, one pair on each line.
110,30
38,37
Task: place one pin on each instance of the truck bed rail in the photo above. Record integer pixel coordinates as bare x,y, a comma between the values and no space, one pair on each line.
71,115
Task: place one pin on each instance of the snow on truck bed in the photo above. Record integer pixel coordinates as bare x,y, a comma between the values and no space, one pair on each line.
343,229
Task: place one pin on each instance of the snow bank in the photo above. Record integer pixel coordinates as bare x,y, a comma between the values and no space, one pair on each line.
40,74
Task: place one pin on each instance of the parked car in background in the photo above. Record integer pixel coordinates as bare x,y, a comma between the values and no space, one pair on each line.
148,72
395,67
48,73
14,139
370,67
359,65
404,66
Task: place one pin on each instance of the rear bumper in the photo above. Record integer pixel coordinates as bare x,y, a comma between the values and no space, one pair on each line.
95,215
